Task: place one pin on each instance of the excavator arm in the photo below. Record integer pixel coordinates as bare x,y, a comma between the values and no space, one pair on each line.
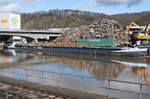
148,28
132,23
137,35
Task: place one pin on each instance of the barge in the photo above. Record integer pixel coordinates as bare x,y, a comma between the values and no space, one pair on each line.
109,50
117,51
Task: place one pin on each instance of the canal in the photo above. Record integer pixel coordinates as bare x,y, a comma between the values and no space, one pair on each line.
119,77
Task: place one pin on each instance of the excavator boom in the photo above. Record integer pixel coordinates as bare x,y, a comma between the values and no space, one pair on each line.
137,35
148,28
132,23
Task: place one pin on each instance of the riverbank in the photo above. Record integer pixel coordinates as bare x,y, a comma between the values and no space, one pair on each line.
57,93
83,73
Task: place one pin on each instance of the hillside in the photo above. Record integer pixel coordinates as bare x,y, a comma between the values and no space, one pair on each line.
58,19
142,18
76,18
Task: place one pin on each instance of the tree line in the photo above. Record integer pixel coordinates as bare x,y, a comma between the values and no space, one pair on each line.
76,18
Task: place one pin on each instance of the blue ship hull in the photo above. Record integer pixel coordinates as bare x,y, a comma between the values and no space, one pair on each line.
97,50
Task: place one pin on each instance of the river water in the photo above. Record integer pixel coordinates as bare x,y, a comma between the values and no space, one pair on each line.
120,77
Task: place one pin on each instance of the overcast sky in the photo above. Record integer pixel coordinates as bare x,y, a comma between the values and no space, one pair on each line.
103,6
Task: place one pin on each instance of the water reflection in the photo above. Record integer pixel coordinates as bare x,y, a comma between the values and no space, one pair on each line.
100,67
140,71
9,58
116,70
131,63
96,68
78,69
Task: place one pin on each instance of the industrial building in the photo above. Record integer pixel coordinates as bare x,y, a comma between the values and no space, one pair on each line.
10,21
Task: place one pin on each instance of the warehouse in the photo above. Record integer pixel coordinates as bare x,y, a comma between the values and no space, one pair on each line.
10,21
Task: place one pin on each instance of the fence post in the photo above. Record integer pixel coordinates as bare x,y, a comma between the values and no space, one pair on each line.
60,83
27,74
42,73
7,96
140,91
108,86
82,85
13,72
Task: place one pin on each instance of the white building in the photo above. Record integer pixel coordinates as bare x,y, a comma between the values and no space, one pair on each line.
10,21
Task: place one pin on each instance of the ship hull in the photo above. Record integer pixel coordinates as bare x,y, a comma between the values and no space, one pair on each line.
117,51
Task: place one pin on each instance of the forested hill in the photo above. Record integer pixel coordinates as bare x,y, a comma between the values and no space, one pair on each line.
58,19
142,18
76,18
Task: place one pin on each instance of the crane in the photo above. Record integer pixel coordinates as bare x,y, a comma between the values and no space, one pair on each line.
132,23
137,36
147,29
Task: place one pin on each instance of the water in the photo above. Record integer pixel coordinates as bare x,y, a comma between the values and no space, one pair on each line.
120,77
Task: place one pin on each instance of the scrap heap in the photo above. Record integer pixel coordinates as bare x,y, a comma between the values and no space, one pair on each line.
69,37
106,28
103,28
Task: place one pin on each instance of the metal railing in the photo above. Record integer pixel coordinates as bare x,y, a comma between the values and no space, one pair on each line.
85,84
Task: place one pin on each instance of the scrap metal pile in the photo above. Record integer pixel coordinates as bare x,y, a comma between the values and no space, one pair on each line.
103,28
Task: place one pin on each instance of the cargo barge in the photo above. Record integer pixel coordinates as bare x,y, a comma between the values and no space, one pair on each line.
117,51
109,48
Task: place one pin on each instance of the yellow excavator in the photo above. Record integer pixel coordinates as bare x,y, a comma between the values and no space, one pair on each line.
137,35
148,29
